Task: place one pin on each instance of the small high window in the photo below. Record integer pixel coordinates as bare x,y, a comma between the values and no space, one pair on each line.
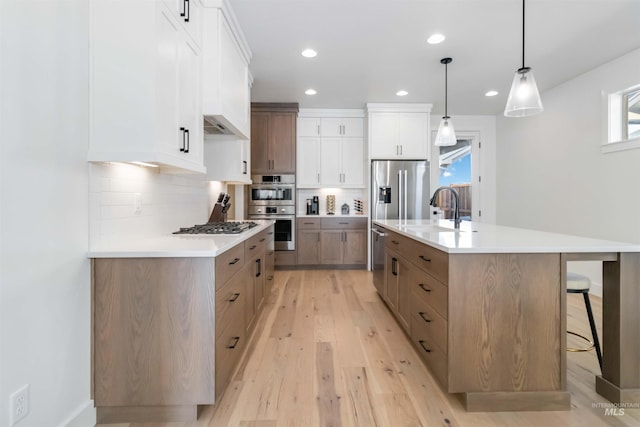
624,116
631,121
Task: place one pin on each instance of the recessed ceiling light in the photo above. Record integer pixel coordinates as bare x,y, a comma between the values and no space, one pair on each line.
309,53
491,93
310,92
402,93
435,39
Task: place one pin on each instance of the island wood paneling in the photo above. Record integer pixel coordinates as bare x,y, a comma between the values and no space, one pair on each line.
153,332
504,317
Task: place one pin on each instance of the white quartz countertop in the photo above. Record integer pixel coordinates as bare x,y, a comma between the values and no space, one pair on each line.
478,237
174,245
331,216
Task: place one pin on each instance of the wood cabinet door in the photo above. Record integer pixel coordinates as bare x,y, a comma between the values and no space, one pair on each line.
331,246
404,293
282,142
355,247
308,174
249,290
260,128
259,280
308,247
391,280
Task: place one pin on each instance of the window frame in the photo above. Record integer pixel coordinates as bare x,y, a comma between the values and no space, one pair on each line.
617,122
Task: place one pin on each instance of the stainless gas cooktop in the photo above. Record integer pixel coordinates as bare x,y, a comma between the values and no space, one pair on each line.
228,227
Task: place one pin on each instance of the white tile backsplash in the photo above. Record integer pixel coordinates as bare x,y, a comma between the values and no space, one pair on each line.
169,201
343,195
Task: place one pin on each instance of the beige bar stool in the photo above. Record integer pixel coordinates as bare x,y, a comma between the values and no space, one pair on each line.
579,284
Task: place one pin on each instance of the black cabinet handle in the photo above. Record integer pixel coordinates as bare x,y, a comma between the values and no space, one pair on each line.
259,264
424,288
188,11
235,260
422,313
183,140
344,223
393,266
424,259
235,342
252,247
270,233
395,243
263,239
186,150
234,297
184,8
244,167
308,223
423,347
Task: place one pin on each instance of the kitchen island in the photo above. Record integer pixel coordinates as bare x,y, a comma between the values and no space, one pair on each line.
485,306
171,318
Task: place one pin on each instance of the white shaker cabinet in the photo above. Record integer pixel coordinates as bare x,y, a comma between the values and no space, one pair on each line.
188,14
227,159
226,98
330,149
399,131
144,87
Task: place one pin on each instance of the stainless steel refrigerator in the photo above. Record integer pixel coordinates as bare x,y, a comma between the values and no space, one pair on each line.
400,189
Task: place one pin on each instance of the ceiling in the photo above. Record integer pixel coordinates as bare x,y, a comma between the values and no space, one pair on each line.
370,49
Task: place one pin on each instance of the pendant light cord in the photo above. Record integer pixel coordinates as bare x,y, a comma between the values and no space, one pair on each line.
522,33
445,90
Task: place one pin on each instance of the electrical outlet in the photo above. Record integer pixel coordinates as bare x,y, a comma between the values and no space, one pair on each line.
137,203
19,402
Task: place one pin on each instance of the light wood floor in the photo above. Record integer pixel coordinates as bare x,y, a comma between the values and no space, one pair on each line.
328,353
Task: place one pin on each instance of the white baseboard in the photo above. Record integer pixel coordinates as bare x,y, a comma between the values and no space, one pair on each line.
83,416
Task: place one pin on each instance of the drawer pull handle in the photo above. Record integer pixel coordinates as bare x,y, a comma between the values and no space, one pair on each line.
235,260
422,313
344,223
262,240
395,243
235,342
252,247
423,347
234,297
308,223
424,259
270,233
424,288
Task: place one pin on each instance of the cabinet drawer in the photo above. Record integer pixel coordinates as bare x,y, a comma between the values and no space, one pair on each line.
398,243
427,290
229,346
230,301
308,223
429,325
344,223
255,245
431,260
433,357
228,264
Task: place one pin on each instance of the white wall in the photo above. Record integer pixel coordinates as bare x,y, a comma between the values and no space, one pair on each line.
44,297
551,173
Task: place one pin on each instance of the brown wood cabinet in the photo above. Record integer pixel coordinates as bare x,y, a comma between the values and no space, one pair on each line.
332,241
273,138
479,321
189,318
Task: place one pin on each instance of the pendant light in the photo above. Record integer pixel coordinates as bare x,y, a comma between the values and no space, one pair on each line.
524,98
446,134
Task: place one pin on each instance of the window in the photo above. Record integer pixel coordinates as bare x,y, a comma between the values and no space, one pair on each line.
623,120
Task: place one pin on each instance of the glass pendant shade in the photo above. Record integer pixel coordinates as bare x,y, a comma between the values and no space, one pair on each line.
524,98
446,134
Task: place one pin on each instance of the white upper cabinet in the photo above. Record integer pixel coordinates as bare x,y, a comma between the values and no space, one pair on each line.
330,149
399,131
227,159
145,103
188,13
226,100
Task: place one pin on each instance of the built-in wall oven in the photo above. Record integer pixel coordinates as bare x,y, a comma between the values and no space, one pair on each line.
273,197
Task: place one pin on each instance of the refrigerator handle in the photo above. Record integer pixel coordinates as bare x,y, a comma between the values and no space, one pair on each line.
400,194
404,197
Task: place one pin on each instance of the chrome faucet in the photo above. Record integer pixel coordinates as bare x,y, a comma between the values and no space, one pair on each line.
456,216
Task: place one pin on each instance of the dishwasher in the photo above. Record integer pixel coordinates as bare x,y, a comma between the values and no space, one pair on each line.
377,258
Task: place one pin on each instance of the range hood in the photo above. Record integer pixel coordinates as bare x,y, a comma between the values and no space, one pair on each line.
216,126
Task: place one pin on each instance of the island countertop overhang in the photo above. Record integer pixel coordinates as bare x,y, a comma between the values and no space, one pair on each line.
479,237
